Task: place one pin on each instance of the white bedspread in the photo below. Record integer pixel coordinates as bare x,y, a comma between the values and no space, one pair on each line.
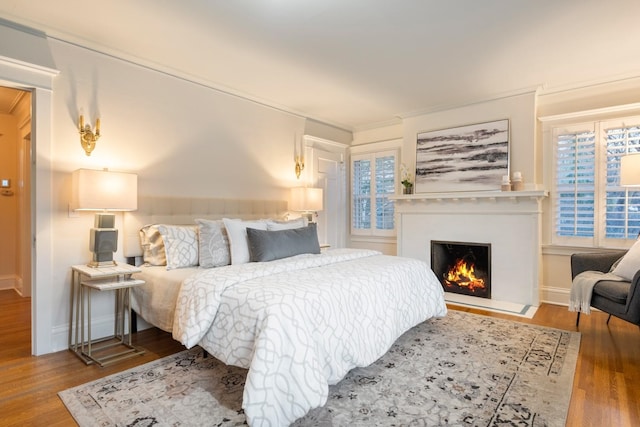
301,323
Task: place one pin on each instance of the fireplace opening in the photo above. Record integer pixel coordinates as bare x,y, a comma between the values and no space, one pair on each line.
462,267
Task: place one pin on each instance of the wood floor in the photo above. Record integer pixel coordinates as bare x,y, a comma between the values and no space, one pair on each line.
606,389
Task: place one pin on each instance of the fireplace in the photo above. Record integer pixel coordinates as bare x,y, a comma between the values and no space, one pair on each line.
462,267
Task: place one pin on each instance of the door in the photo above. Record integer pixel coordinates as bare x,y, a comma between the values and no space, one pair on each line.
328,173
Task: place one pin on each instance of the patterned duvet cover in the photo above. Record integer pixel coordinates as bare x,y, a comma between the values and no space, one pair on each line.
301,323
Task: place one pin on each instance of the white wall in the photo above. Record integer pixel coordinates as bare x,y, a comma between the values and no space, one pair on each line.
519,109
596,97
523,149
180,137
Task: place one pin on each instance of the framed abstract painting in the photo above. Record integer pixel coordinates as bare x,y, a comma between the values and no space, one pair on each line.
466,158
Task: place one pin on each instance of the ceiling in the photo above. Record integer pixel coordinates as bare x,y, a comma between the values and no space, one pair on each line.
357,64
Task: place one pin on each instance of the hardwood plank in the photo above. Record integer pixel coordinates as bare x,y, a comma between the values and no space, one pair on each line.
606,388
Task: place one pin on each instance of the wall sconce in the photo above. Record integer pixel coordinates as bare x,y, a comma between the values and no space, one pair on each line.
88,138
298,155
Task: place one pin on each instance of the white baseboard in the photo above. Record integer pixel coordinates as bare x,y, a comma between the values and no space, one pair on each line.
557,296
100,327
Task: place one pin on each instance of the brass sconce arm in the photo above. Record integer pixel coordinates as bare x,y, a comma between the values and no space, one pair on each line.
298,155
299,166
88,138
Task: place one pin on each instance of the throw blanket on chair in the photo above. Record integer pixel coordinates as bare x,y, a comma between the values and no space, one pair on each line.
582,289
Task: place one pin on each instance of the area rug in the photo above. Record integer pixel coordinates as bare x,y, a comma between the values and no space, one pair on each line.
462,370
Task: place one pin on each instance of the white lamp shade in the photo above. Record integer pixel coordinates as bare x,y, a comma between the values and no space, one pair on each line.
630,170
306,199
96,190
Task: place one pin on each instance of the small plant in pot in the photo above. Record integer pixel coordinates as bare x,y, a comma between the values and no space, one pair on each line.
407,185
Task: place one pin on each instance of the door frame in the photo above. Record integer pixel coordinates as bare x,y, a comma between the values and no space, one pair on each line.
38,80
314,147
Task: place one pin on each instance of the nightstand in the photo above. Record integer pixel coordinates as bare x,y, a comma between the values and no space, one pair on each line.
84,281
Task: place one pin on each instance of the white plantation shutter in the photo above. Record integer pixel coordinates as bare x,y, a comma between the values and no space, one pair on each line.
575,184
373,179
361,194
385,186
622,204
590,206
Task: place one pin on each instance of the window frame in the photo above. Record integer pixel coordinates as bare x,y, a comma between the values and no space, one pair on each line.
372,156
599,126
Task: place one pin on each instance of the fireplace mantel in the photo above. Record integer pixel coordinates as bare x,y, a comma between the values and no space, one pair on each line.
510,221
473,196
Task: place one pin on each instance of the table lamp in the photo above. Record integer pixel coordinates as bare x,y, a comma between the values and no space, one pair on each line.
307,200
103,190
630,170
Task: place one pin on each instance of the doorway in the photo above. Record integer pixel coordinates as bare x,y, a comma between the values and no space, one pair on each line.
15,196
327,171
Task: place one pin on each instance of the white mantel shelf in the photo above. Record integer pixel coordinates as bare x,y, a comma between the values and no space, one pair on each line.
473,196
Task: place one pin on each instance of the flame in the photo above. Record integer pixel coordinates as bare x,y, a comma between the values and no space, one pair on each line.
463,275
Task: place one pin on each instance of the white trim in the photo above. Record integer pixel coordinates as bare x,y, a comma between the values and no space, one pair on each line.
554,295
374,147
40,80
312,141
533,89
615,109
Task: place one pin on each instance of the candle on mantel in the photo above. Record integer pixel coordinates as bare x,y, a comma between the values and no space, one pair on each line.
506,186
518,185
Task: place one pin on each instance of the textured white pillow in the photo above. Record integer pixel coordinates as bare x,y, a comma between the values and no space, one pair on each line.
630,263
180,244
213,244
152,245
273,225
237,232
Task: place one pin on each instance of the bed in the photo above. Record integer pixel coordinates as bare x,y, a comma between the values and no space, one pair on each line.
297,322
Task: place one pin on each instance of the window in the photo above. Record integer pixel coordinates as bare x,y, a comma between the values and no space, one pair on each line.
590,206
373,179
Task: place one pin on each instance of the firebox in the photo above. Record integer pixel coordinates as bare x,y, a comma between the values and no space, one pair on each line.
462,267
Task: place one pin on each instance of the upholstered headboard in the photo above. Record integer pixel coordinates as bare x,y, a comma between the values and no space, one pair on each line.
177,210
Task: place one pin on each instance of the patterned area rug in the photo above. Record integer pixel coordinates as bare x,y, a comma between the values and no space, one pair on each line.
464,369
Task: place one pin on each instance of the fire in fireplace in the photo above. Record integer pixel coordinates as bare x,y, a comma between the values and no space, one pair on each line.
462,268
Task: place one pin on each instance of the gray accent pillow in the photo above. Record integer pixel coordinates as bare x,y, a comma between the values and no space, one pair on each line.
213,243
271,245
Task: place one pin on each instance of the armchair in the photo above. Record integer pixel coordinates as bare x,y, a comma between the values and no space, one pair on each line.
617,298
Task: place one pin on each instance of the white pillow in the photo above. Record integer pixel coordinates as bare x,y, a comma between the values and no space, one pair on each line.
237,232
180,244
630,263
273,225
213,244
